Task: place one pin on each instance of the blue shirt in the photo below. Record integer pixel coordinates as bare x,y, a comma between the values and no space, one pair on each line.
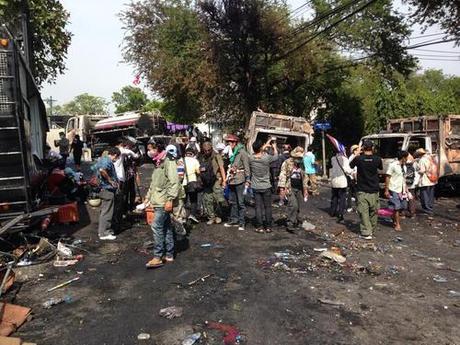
309,163
106,164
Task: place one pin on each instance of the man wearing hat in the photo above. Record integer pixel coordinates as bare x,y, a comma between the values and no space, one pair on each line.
193,145
367,167
238,179
426,183
293,185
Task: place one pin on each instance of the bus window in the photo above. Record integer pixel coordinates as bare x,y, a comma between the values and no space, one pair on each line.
415,144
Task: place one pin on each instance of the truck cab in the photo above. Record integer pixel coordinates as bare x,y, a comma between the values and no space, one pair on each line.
387,145
295,131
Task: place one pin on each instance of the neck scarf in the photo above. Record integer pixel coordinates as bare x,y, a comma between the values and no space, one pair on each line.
235,152
159,158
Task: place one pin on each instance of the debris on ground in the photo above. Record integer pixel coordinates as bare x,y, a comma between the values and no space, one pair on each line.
143,336
191,339
171,312
330,302
439,279
307,226
63,284
231,333
193,282
56,300
333,254
212,245
12,317
453,293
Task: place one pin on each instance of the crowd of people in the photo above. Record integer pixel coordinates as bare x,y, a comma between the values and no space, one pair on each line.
196,182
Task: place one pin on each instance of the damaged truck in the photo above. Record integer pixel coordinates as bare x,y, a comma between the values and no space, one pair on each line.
23,127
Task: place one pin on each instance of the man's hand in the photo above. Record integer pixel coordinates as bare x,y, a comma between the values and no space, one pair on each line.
223,184
282,193
169,206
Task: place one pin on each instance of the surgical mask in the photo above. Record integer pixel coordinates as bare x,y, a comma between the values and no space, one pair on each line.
152,154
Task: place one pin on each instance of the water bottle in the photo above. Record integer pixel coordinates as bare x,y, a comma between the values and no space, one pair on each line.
56,300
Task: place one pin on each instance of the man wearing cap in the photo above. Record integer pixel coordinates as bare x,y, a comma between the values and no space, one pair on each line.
367,167
426,186
238,179
193,145
162,194
293,185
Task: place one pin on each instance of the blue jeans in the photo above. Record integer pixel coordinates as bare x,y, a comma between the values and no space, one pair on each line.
162,233
236,201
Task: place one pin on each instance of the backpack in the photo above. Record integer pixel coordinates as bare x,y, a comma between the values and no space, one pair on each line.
432,172
207,175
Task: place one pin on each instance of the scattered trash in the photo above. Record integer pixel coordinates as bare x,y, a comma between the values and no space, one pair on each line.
12,317
24,262
211,245
63,284
143,336
54,301
231,333
393,270
191,339
308,226
332,255
398,239
193,282
319,249
283,255
457,243
171,312
331,302
63,250
453,293
440,279
281,266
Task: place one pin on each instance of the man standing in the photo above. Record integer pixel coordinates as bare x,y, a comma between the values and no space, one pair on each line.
367,166
427,170
107,176
162,194
64,147
77,150
310,170
238,179
213,177
293,184
395,187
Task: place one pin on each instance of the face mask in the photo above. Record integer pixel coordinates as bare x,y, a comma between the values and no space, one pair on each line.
152,154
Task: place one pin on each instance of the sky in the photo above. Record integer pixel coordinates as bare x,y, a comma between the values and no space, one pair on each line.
94,61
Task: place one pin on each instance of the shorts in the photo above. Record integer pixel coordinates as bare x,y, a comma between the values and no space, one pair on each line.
396,203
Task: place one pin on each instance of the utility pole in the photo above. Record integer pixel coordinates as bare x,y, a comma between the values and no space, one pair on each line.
50,100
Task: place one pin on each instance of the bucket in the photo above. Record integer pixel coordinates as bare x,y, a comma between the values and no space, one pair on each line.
149,215
385,212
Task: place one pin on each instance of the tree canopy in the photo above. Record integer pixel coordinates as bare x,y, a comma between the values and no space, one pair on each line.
226,58
83,104
129,98
48,34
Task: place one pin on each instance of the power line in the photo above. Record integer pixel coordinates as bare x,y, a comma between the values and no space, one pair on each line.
437,51
419,45
291,13
331,26
437,56
430,35
433,59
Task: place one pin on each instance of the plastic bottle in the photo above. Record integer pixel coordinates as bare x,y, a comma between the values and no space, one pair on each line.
56,300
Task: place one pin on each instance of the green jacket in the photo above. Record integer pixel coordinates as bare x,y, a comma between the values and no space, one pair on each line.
165,184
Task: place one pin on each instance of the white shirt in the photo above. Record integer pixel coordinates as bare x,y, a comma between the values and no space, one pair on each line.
119,167
337,175
423,166
396,172
192,166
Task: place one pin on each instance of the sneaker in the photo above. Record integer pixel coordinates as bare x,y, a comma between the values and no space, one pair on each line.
109,237
241,228
368,237
218,220
169,259
349,210
229,225
193,218
154,263
211,221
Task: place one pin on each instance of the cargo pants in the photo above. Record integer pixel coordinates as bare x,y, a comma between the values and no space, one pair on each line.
368,205
213,199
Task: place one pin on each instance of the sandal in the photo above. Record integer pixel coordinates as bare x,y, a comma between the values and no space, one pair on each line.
260,230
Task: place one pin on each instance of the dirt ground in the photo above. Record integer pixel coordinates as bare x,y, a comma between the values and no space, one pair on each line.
401,288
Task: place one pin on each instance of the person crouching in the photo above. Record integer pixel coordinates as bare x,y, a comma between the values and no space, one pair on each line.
163,192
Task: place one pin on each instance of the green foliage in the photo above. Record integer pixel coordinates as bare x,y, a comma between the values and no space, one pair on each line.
83,104
49,37
226,58
129,98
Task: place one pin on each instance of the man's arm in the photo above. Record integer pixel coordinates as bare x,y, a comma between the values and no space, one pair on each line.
220,164
107,177
387,184
246,167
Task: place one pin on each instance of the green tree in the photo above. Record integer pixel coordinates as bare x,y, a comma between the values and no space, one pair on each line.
84,104
129,98
49,37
